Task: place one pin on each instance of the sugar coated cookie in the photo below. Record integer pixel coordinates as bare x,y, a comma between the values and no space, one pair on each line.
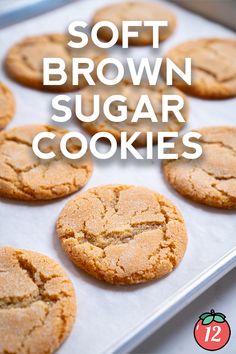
210,179
133,94
24,176
136,11
37,303
122,234
7,105
213,67
24,62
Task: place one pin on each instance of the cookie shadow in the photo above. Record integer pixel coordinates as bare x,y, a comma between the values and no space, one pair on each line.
30,204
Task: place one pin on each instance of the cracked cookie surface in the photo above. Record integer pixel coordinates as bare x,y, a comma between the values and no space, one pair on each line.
24,176
133,94
122,234
24,62
210,179
136,11
7,105
37,303
213,67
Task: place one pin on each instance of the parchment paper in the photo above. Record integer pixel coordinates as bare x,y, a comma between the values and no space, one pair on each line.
106,313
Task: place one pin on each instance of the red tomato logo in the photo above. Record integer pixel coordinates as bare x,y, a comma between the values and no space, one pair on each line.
212,331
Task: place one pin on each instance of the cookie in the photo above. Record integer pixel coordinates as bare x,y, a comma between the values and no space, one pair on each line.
133,94
37,303
24,62
122,234
136,11
213,67
24,176
210,179
7,105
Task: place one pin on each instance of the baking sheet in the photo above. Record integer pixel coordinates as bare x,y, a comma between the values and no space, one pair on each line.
106,314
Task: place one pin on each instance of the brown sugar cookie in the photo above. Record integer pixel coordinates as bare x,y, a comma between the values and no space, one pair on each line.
122,234
24,176
213,67
24,62
210,179
133,94
7,105
37,303
136,11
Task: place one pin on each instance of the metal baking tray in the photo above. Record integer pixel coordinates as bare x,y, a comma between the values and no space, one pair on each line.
218,10
13,11
115,319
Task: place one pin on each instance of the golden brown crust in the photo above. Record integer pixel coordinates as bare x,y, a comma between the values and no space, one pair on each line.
135,11
37,303
122,234
211,179
24,62
7,105
24,176
133,94
213,67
